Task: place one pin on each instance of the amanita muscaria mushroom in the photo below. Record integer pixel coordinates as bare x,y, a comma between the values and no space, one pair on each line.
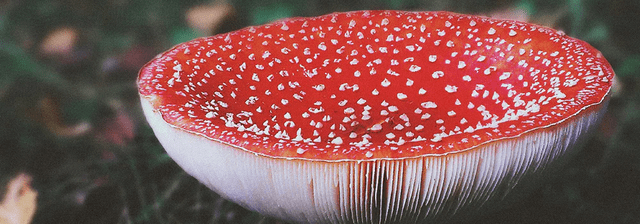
374,116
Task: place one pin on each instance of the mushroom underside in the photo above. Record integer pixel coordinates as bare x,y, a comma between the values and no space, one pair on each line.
430,187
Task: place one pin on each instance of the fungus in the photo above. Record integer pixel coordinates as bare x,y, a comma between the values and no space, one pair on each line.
374,116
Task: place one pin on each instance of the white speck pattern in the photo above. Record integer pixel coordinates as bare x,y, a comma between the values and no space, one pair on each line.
372,83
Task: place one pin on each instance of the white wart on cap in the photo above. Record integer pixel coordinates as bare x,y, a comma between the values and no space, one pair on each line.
374,116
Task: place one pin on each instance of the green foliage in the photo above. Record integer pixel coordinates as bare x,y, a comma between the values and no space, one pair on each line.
16,63
397,4
528,6
630,67
183,34
272,12
598,32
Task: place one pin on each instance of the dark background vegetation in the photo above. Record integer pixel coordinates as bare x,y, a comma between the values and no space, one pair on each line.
70,114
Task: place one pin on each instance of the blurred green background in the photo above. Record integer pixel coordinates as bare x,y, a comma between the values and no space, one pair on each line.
70,112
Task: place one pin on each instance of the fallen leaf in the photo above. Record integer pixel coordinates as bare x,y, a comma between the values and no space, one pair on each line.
207,18
59,41
19,204
49,114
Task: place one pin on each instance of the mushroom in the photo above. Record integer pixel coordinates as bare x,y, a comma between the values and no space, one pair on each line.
374,116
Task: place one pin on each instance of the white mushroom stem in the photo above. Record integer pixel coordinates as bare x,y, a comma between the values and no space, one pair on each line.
426,187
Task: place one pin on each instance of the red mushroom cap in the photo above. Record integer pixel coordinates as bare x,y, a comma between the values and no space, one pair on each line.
374,116
372,85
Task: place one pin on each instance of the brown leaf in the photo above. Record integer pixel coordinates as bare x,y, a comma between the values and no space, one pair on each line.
207,18
19,204
49,114
59,41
